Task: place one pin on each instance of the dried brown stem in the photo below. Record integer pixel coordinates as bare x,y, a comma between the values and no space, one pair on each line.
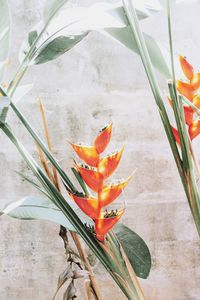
47,136
44,163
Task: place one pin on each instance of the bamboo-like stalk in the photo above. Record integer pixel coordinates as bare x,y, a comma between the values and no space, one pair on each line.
94,285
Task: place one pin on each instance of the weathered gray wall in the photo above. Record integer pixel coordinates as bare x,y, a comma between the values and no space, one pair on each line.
98,81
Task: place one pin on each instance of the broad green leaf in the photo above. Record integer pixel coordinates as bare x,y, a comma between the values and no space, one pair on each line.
57,47
111,20
41,208
135,249
158,53
4,34
76,22
4,106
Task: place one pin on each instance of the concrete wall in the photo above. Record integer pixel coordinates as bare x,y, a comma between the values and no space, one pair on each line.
98,81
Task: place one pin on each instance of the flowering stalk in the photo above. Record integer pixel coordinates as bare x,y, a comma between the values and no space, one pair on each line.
94,174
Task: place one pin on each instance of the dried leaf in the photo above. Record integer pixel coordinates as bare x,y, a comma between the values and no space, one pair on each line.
70,292
80,274
64,276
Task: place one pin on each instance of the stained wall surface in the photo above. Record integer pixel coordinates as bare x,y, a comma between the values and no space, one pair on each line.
96,82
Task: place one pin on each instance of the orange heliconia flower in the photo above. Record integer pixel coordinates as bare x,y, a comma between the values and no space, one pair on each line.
105,223
194,129
94,174
188,112
196,101
189,90
87,153
185,88
195,82
89,205
103,139
92,177
109,163
111,191
176,135
187,68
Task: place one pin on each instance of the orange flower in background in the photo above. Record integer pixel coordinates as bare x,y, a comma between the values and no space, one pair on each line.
185,89
176,135
187,68
189,89
194,129
97,170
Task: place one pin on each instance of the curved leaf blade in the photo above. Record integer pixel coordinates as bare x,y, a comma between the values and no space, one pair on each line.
57,47
135,249
158,53
41,208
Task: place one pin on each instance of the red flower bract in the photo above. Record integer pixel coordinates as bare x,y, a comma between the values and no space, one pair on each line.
189,90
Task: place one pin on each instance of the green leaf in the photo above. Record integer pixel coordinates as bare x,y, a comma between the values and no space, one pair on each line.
74,23
41,208
4,106
57,47
4,34
110,19
135,249
158,53
31,37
